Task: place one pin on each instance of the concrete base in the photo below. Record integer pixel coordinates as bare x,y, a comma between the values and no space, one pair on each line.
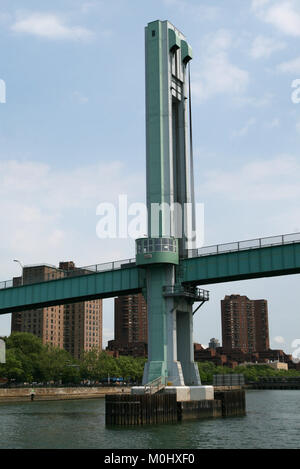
183,393
191,393
191,374
137,390
173,370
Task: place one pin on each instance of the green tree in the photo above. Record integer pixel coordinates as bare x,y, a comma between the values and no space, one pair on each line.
28,359
89,365
12,369
108,366
27,349
55,365
131,368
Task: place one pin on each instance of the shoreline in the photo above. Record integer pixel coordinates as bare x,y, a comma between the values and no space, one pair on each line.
54,394
73,393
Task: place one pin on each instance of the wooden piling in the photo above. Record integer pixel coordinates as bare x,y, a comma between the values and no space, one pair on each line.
140,409
233,402
153,409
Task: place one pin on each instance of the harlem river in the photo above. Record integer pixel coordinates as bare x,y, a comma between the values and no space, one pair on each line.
272,421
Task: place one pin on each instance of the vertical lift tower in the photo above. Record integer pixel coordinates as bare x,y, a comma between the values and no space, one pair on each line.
171,209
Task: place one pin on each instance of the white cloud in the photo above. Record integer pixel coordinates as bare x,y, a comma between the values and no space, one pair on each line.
279,340
220,41
49,26
273,180
287,220
197,12
4,18
46,213
215,73
290,66
283,15
90,5
264,47
254,101
245,129
79,97
258,4
273,124
49,215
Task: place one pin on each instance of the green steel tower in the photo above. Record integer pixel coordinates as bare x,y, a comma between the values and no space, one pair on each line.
170,204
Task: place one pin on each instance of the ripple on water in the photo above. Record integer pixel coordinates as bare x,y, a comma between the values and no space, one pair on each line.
272,421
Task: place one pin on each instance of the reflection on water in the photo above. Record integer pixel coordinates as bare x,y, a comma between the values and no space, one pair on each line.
272,421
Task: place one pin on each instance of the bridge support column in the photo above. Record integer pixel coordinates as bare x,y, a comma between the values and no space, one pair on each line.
170,332
185,345
170,203
162,337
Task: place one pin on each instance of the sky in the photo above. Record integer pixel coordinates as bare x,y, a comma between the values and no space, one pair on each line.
72,133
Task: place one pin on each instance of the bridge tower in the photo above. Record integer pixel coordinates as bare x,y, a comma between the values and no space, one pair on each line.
171,208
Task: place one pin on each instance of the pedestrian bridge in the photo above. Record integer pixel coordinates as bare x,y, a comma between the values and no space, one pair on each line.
242,260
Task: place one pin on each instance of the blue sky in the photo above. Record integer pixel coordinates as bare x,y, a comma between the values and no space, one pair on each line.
72,132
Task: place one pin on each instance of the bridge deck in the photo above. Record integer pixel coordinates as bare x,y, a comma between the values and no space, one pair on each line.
248,264
69,290
263,257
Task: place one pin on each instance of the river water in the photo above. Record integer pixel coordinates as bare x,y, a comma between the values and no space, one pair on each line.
272,421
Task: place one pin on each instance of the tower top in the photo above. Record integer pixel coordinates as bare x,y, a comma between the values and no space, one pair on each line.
170,178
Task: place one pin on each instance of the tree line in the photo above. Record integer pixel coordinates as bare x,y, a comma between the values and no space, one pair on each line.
29,360
252,373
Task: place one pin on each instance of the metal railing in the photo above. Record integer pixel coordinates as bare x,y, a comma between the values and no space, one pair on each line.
77,272
154,386
186,291
200,252
244,245
6,284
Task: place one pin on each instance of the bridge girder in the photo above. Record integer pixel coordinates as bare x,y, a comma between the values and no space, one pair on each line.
204,270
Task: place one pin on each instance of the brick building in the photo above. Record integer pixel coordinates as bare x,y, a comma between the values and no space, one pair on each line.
245,336
236,357
131,326
75,327
245,325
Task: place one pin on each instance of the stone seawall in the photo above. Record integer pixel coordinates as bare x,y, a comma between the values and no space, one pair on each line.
52,394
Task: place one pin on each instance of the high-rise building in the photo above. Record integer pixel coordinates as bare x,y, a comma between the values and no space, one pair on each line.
75,327
244,324
131,325
131,319
213,343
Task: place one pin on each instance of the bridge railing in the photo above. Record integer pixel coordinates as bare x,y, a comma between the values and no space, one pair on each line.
187,291
78,271
245,245
203,251
6,284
